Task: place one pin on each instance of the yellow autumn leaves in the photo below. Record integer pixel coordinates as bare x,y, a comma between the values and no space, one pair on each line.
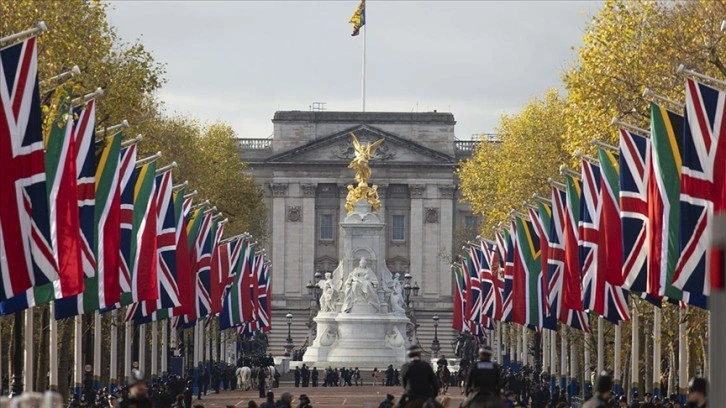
628,46
79,34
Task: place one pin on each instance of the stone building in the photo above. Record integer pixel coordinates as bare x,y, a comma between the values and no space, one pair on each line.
303,169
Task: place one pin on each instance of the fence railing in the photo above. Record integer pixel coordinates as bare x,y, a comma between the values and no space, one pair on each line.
255,144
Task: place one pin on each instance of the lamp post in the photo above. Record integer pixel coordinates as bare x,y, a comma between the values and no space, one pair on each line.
410,290
288,345
435,346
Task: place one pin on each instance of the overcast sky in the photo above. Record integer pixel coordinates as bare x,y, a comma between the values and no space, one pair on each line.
239,62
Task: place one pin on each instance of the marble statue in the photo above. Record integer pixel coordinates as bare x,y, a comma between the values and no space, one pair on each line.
329,295
360,287
329,337
394,339
396,298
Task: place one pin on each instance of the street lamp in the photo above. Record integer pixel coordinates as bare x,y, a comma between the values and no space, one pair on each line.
409,290
435,346
288,345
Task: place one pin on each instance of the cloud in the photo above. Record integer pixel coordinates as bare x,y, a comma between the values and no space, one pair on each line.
241,61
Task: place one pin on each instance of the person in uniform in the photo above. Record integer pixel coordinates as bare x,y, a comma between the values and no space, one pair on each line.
442,362
419,381
603,387
697,393
138,392
261,377
483,382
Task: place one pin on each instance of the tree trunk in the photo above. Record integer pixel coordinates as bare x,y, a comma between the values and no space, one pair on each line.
42,366
65,358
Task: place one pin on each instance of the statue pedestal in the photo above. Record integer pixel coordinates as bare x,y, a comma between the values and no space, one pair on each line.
366,336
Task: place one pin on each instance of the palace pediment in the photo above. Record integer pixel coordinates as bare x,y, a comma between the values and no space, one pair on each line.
338,148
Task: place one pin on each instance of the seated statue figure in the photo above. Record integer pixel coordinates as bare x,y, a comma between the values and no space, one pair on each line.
360,287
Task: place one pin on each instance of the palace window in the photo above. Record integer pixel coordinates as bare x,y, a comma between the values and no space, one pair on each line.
470,221
398,228
326,227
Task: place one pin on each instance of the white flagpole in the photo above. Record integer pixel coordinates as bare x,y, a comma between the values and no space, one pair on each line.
142,348
553,353
513,344
545,336
53,350
517,338
617,375
682,354
127,352
164,347
363,85
525,348
113,363
573,362
499,343
77,355
600,345
563,356
587,362
201,340
96,349
154,350
634,351
223,346
29,350
656,350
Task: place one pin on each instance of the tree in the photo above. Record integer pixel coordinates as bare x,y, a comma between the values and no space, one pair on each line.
631,45
499,176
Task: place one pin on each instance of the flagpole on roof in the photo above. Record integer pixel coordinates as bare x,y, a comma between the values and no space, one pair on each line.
365,33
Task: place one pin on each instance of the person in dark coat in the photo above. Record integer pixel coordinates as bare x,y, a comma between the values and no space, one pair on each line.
603,386
483,381
315,375
297,376
305,374
270,401
261,377
419,381
697,393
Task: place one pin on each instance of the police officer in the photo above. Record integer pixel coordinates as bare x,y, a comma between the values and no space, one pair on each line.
603,386
482,383
419,380
138,392
697,393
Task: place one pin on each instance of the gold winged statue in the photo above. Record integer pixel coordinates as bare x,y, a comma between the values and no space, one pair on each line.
363,153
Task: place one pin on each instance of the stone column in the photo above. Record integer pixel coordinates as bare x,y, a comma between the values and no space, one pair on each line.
279,216
342,194
308,233
415,232
446,194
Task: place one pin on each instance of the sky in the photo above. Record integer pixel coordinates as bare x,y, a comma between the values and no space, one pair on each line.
239,62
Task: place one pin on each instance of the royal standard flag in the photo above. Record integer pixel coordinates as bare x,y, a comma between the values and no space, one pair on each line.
358,19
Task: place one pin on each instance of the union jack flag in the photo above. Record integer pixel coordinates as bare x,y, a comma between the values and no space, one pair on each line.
635,152
556,266
263,295
217,280
24,218
702,184
541,220
599,295
491,282
474,292
127,181
85,137
202,265
507,241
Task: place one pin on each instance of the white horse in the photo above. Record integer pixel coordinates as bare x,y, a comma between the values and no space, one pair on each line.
244,375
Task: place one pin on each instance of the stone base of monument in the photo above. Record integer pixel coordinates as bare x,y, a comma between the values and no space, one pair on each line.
356,328
363,340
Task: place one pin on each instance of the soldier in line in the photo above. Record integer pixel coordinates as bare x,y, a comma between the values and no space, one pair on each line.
297,375
315,376
305,373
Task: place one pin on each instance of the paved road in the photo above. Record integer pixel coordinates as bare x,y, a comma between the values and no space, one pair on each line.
321,397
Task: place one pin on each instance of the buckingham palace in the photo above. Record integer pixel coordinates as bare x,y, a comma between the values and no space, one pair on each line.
303,170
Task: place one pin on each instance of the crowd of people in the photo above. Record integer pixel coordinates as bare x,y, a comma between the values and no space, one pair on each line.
484,384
